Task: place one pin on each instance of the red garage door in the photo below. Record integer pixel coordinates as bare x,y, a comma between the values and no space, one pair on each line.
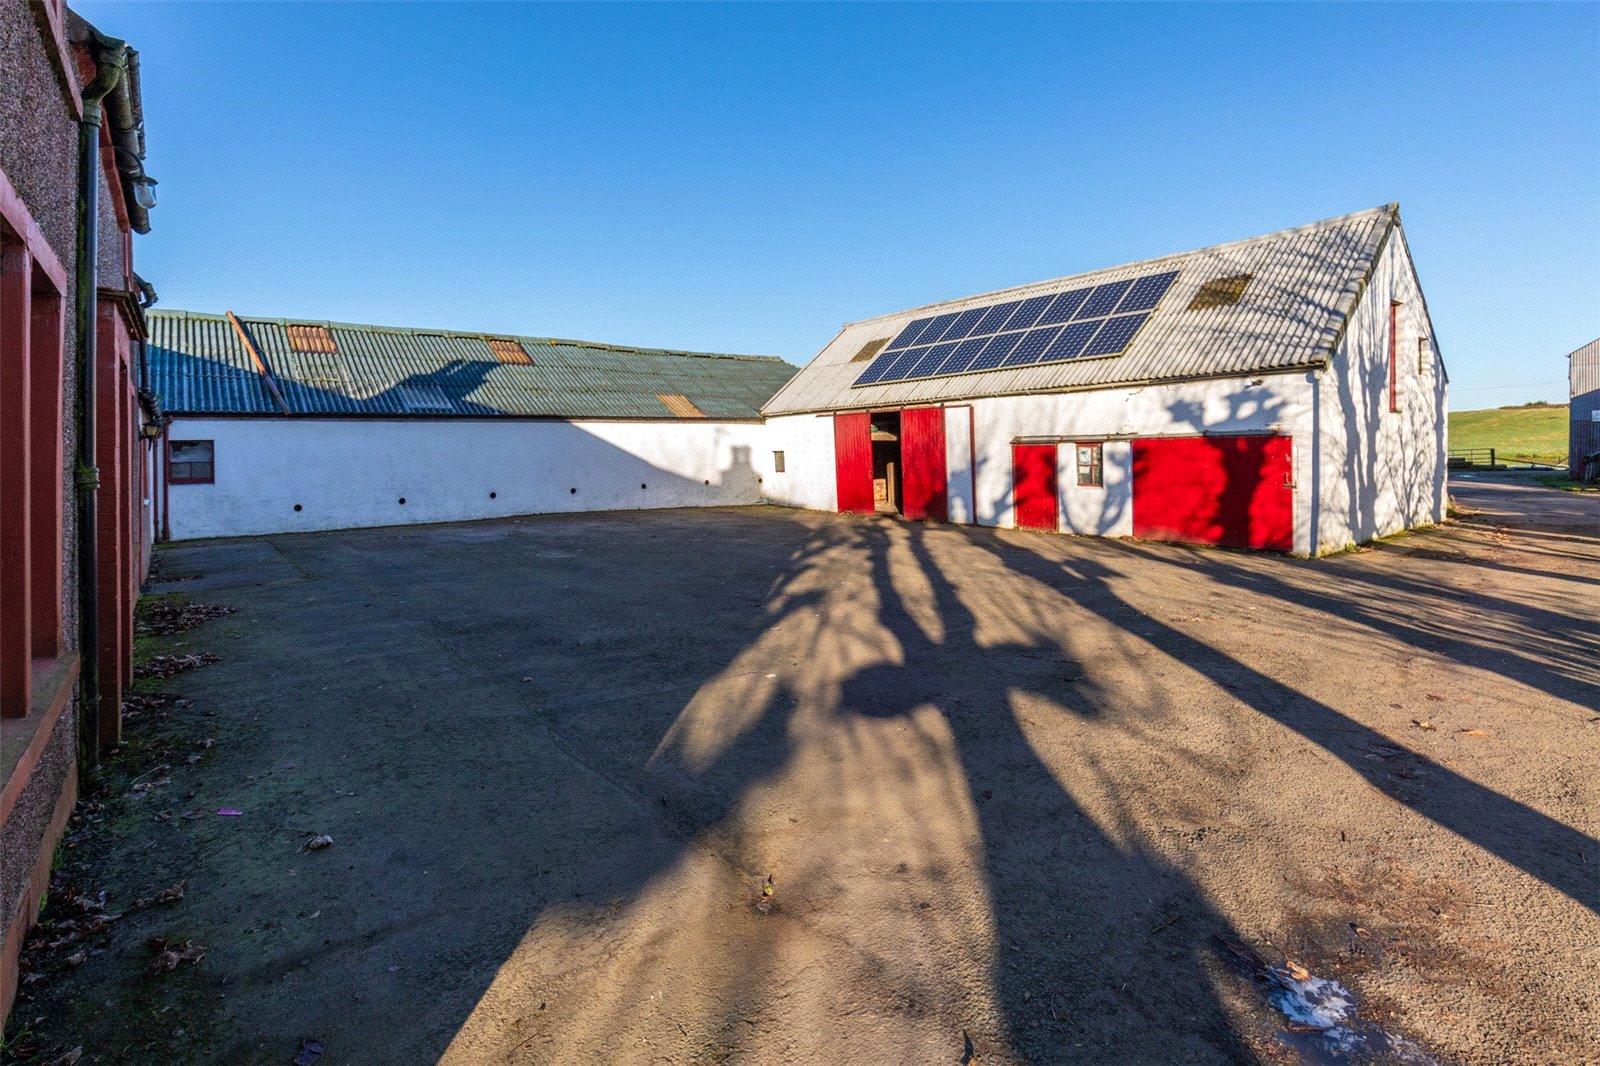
1033,474
925,488
1236,491
852,462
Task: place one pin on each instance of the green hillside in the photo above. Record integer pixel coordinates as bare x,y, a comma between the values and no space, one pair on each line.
1530,434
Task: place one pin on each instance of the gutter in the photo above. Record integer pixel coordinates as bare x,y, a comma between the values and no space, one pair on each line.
111,63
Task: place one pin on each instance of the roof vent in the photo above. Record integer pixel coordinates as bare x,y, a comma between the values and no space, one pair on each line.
680,406
870,349
311,339
1220,292
508,351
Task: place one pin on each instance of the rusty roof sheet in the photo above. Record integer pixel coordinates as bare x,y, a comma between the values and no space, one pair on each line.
199,365
1304,283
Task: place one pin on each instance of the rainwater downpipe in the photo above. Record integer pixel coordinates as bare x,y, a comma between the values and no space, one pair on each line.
111,63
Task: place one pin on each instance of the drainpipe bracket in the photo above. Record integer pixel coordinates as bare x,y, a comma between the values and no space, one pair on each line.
87,478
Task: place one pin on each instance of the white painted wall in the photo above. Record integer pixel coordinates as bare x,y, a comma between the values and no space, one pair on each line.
958,464
352,473
807,445
1383,471
1274,403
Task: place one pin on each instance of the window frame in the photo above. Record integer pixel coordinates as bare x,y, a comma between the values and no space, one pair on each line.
778,461
1097,464
175,479
1394,356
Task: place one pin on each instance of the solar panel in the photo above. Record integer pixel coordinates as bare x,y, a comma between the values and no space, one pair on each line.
994,318
1103,299
929,363
908,336
962,358
1103,320
936,327
995,351
1062,307
1028,312
1032,346
1147,292
962,326
1070,342
1115,334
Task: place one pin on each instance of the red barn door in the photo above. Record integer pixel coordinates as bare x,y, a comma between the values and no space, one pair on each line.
924,488
1236,491
852,462
1034,480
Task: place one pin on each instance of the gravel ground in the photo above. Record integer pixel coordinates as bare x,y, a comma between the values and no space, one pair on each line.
1020,797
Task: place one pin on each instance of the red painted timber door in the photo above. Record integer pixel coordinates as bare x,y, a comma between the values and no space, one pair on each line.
852,462
924,488
1235,491
1033,469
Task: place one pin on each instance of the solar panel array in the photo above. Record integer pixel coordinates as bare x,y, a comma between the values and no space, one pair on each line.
1093,321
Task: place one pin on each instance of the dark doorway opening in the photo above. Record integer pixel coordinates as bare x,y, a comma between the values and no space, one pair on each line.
886,466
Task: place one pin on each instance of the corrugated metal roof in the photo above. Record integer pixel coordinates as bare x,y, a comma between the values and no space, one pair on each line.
1305,282
199,365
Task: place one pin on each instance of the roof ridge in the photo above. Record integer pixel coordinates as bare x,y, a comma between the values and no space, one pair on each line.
423,331
1392,208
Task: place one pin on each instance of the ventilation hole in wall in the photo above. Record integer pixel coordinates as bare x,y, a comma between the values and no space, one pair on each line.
708,482
642,485
759,481
402,501
573,491
297,507
491,495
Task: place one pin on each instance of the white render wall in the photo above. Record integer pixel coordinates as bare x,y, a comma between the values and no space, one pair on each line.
1383,471
347,473
807,444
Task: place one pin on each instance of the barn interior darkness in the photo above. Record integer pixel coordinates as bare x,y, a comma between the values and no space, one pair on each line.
886,468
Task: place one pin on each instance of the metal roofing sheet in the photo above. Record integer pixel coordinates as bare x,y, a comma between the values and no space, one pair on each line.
199,365
1304,283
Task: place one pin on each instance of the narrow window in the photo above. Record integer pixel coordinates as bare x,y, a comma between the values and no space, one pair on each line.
190,463
1091,467
1394,362
1422,356
777,462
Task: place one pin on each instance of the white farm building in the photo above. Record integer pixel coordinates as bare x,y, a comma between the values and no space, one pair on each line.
1283,392
279,425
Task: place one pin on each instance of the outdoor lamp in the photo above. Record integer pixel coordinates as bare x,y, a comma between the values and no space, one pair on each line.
144,192
150,430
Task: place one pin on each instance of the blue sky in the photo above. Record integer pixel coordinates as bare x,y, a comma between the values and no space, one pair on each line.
747,178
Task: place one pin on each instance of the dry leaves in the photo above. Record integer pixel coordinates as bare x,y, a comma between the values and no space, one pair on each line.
169,955
165,618
167,665
317,843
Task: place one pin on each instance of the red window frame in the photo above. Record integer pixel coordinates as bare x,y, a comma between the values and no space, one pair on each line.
1097,466
175,479
32,471
1394,360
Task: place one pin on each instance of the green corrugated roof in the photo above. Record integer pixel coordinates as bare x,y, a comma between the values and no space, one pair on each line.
199,365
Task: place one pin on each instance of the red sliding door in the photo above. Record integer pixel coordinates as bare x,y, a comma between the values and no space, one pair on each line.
924,489
1237,491
1034,486
852,462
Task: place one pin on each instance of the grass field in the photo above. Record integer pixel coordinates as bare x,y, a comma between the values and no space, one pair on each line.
1522,434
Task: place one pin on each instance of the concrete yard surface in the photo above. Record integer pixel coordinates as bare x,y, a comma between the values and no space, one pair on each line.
1021,797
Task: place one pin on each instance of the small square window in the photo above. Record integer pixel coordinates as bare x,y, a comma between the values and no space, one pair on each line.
777,462
1220,292
1091,466
190,462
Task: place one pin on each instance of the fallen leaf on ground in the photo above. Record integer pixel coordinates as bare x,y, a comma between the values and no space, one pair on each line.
1420,724
167,665
310,1051
317,843
1473,732
1435,697
168,956
166,895
1295,970
67,1058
